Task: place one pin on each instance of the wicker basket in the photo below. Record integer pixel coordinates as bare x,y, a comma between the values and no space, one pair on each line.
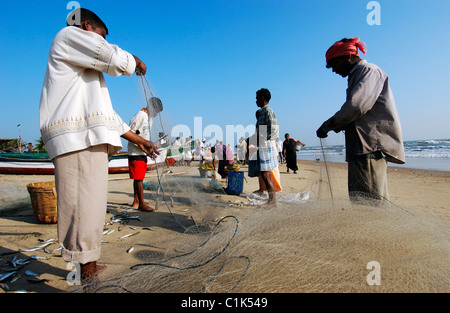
43,201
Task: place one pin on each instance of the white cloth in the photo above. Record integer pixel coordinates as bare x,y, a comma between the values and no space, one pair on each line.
75,109
141,124
279,145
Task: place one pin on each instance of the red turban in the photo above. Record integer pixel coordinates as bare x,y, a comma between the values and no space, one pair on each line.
348,47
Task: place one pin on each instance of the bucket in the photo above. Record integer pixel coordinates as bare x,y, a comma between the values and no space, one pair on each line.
235,183
298,146
43,201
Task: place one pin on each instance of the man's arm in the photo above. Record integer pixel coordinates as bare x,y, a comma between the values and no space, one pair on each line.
87,49
146,146
361,98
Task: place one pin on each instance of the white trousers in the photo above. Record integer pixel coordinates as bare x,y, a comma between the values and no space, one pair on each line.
82,186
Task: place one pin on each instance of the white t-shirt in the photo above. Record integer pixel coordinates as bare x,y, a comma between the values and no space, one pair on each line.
75,109
141,125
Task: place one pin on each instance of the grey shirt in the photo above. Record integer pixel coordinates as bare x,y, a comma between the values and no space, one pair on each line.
369,115
266,124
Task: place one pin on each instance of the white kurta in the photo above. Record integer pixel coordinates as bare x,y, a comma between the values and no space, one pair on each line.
75,108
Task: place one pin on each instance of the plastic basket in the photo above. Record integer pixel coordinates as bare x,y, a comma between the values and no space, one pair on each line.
235,183
43,200
205,173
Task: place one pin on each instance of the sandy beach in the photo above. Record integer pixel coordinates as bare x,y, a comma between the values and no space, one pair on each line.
420,194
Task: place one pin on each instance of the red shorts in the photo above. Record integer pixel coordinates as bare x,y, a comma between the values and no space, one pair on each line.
138,168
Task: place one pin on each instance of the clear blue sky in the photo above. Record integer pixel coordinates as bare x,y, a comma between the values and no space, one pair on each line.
208,58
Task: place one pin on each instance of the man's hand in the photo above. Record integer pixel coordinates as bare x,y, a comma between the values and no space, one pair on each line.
141,68
322,132
150,149
146,146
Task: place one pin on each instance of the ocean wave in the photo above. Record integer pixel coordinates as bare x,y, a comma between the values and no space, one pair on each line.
428,149
428,155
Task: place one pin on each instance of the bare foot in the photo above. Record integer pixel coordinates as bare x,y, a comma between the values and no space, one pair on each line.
90,272
269,205
146,208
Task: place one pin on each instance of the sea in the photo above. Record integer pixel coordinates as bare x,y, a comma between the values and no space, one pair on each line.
433,154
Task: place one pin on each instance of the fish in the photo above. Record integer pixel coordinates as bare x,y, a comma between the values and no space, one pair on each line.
129,235
45,244
15,278
109,232
15,262
31,273
5,276
124,217
35,257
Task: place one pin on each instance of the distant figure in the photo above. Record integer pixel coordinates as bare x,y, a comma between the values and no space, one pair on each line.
203,150
369,119
213,154
30,147
161,141
187,151
290,153
223,160
242,150
280,150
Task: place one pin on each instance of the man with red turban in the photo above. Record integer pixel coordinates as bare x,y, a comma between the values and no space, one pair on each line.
369,119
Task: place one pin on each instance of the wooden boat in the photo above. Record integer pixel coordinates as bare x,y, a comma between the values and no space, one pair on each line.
40,164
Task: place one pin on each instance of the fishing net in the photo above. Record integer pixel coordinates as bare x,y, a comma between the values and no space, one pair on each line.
311,242
315,240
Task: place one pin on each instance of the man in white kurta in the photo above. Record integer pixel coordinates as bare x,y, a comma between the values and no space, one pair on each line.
81,130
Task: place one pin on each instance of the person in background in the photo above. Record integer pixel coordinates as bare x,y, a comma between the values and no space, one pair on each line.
223,160
242,151
141,125
187,151
202,150
161,141
30,147
290,153
369,119
280,151
81,131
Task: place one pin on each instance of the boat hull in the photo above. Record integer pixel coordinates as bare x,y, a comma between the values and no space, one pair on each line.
15,165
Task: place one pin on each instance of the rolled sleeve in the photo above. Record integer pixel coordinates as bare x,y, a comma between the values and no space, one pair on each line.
121,63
